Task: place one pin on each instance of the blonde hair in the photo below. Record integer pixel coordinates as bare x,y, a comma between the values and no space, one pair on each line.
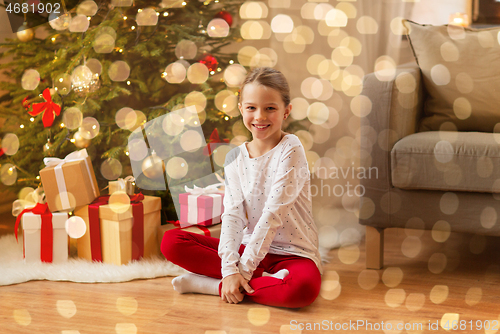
269,77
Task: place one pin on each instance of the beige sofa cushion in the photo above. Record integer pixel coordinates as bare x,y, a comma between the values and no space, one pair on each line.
461,74
447,161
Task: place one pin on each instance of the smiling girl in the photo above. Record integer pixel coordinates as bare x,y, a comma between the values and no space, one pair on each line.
268,249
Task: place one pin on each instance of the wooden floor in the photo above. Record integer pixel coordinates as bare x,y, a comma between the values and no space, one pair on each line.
455,279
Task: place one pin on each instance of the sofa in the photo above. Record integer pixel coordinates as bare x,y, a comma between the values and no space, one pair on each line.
431,131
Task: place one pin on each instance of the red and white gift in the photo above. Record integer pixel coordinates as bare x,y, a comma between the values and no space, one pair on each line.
201,206
44,234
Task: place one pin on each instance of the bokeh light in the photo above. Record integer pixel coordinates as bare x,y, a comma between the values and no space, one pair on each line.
440,75
227,101
318,113
111,169
72,118
411,246
336,18
104,42
218,28
8,174
119,71
197,73
59,21
127,305
87,8
385,68
395,297
449,203
392,276
191,140
253,10
10,144
30,79
125,328
473,296
90,128
196,100
126,118
79,23
258,316
175,73
330,285
349,254
234,75
119,202
441,231
177,168
488,217
437,263
448,319
22,317
75,227
282,23
147,17
415,301
367,25
186,49
368,279
137,149
66,308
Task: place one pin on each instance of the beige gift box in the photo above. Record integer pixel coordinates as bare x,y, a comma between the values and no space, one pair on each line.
69,185
32,224
116,232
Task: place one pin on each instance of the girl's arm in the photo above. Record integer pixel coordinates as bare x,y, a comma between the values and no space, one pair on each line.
290,178
233,218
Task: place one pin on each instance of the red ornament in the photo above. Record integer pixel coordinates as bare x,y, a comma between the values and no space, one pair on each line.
225,16
2,151
48,108
210,62
214,139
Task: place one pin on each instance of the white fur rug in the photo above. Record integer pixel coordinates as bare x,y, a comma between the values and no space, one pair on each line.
13,270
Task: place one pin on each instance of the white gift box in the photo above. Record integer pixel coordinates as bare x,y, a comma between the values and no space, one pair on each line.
32,224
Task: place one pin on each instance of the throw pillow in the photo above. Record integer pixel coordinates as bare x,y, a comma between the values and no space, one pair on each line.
461,75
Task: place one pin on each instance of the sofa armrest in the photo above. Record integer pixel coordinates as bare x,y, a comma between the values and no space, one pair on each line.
396,110
396,104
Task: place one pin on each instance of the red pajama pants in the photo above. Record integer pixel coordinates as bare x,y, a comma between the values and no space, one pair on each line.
199,254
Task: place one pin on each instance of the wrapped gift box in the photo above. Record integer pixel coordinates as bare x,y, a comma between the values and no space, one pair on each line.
70,182
33,242
126,185
116,232
202,210
211,231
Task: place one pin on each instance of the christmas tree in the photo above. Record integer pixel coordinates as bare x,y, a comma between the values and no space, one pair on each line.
100,70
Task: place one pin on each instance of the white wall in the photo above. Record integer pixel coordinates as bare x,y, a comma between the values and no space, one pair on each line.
437,12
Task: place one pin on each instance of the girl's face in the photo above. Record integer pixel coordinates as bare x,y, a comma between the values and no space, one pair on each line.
263,111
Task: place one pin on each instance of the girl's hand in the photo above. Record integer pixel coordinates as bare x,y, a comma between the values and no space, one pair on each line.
232,288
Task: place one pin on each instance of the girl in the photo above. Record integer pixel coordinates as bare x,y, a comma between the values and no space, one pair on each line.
268,248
